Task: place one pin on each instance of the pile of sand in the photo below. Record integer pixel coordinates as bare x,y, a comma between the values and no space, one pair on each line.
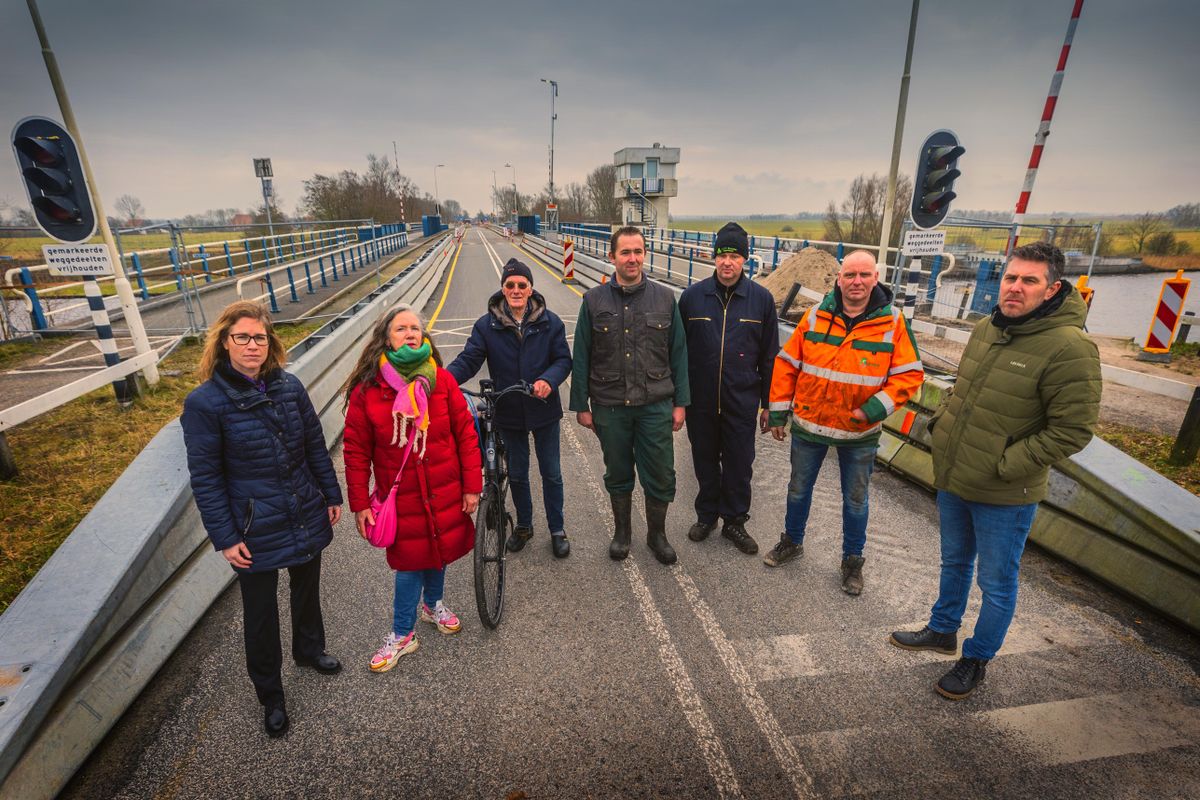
812,268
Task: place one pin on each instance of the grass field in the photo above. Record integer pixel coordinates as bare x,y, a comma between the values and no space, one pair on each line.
28,249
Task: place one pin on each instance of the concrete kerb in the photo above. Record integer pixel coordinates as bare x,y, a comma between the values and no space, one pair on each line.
128,584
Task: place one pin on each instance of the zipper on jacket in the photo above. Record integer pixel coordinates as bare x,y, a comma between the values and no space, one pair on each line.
721,357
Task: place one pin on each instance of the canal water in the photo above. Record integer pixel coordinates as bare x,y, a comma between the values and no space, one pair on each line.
1124,304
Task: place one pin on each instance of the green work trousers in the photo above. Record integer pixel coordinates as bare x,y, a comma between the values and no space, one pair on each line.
642,436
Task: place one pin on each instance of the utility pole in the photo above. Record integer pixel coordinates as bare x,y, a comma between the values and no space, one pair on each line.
494,193
889,203
516,195
133,317
553,116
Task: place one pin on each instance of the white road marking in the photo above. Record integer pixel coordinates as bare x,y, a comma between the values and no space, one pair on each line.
1102,726
715,757
781,746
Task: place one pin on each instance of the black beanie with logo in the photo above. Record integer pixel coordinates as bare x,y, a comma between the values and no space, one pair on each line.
732,239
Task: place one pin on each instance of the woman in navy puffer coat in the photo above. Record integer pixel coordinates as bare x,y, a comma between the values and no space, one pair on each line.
266,491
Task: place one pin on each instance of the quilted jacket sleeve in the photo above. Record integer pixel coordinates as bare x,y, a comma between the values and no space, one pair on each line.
1070,393
358,446
315,451
560,362
203,439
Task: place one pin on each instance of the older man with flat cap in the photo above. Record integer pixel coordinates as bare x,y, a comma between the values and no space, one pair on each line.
521,339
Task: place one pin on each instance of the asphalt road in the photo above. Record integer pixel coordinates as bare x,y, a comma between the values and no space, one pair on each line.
718,677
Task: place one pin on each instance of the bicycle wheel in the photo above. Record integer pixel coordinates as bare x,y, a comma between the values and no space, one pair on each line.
492,527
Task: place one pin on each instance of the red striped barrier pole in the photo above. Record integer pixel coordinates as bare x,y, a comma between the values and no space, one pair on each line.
1039,141
568,261
1167,314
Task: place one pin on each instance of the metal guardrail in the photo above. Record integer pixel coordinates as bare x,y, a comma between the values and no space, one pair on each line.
121,592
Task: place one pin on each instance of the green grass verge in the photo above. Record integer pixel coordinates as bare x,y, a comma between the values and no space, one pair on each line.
1152,449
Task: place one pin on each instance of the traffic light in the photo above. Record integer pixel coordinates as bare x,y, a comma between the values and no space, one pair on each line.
936,172
54,179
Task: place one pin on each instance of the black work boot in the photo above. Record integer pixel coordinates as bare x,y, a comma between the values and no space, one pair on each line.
520,536
656,531
622,508
963,677
734,530
783,552
700,530
925,639
852,580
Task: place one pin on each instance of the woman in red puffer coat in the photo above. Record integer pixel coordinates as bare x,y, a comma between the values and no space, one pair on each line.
400,401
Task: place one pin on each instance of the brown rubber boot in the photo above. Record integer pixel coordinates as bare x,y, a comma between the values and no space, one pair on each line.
852,579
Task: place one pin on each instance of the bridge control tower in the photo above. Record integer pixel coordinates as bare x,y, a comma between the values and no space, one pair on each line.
645,183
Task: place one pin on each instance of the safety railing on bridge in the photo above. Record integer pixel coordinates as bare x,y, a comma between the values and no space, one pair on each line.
160,272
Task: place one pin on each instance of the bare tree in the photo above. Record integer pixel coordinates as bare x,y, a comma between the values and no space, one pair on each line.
1142,228
600,185
130,208
861,213
573,202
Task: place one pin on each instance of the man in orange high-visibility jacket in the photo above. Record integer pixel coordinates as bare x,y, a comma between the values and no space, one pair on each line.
850,363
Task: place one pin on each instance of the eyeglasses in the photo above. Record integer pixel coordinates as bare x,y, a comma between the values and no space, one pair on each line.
243,339
515,285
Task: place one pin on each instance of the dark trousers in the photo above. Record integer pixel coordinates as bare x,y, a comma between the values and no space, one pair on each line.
260,603
638,436
545,442
723,455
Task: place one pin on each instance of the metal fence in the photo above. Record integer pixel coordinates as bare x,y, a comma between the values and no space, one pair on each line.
34,301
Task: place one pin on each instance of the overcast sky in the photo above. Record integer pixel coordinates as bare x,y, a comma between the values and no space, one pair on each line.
776,106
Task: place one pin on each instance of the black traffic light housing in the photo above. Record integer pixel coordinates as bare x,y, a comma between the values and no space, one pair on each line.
936,172
54,179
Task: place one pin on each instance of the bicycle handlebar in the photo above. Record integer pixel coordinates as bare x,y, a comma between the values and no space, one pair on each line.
493,396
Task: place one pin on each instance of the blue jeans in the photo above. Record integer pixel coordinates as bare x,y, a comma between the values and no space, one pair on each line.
409,586
545,443
997,535
855,465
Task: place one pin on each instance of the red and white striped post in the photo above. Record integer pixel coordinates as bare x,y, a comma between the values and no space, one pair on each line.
1039,141
568,261
1166,319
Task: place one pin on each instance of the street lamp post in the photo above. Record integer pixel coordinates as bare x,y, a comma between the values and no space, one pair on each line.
437,197
516,194
494,193
553,116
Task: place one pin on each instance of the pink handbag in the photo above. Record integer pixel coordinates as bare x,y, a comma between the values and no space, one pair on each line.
383,532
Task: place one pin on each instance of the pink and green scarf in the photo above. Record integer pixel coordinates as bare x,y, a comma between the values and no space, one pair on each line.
412,373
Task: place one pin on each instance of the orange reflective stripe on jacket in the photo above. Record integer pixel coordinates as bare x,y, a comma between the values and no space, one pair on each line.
822,374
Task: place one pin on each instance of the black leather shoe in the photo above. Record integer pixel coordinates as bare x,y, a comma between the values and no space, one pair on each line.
700,530
520,536
324,664
925,639
560,546
961,680
275,721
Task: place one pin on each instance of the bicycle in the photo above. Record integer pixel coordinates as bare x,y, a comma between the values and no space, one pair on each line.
493,522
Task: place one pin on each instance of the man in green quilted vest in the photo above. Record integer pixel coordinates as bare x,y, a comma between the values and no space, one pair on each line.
1027,396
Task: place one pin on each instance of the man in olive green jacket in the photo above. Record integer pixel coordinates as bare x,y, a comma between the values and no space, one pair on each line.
1027,396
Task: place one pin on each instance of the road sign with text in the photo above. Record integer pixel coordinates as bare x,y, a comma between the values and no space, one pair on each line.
78,259
924,243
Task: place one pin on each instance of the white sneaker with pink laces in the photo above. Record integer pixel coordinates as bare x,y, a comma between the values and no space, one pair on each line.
445,619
